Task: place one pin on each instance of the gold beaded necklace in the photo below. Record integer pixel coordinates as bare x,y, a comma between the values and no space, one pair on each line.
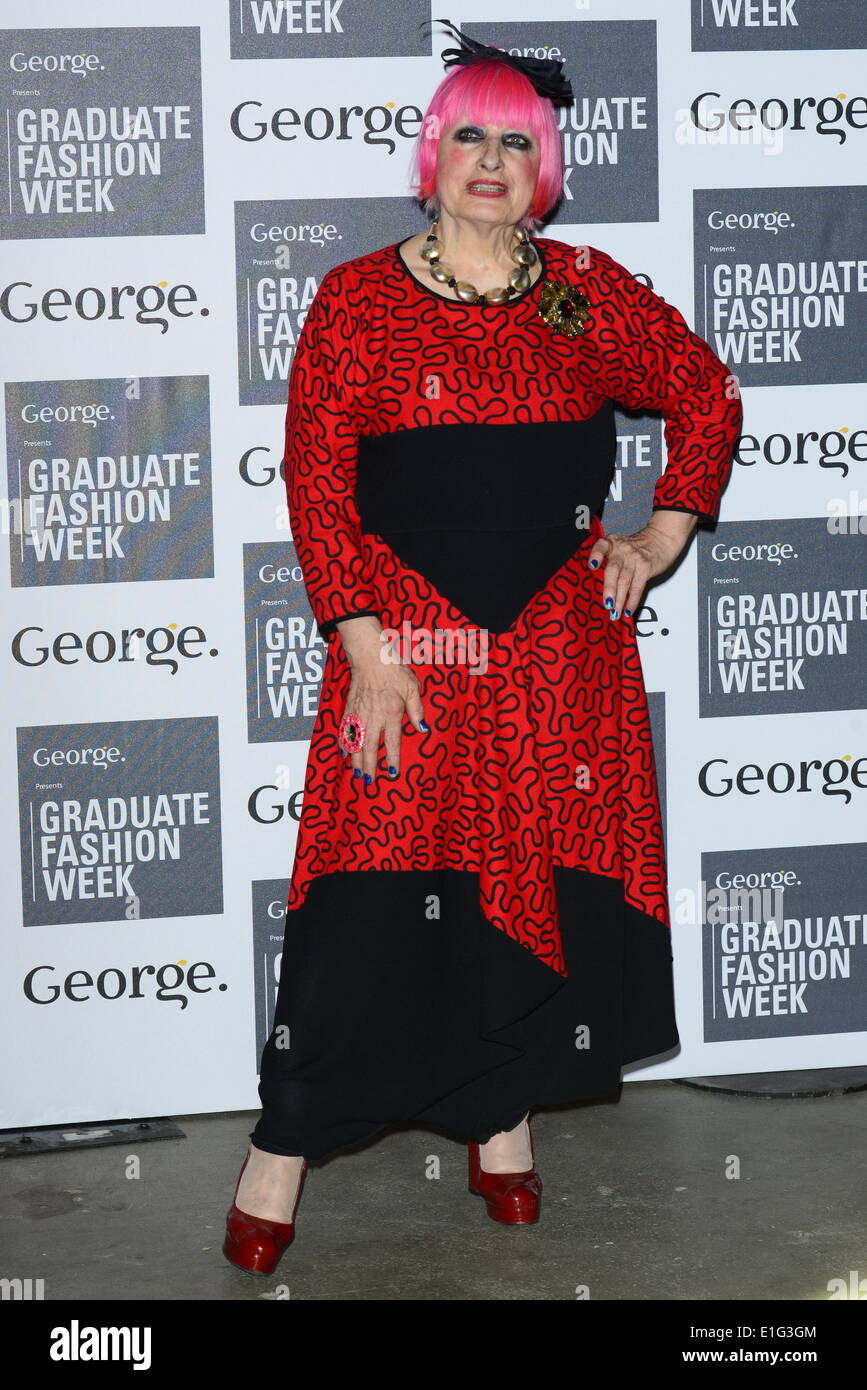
522,251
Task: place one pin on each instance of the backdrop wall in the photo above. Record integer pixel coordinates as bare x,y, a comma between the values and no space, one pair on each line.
173,192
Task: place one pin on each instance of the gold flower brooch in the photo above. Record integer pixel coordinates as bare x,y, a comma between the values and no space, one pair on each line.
563,308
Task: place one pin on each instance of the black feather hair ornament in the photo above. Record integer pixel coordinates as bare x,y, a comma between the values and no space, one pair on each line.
546,74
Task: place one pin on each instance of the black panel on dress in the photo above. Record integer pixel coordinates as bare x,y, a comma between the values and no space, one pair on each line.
486,513
510,1040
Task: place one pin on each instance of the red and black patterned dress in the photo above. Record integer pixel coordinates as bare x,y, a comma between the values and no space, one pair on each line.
488,931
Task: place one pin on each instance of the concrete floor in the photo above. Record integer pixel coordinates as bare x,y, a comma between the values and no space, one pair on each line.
636,1206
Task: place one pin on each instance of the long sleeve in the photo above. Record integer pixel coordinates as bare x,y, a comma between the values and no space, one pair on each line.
320,462
653,361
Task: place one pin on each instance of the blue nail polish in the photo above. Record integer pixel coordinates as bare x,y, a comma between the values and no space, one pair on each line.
367,779
609,603
628,612
613,613
422,725
392,771
342,751
356,772
593,564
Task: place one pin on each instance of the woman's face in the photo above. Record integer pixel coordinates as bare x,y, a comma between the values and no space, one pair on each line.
486,173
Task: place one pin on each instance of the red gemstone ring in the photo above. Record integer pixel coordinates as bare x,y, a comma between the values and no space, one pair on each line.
350,735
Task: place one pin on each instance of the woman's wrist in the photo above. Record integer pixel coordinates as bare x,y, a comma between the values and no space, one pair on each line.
361,638
672,529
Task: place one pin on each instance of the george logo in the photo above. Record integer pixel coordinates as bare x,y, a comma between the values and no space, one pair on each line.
781,289
158,646
383,125
834,449
176,982
282,252
285,651
841,777
109,480
610,132
740,120
782,621
327,29
789,962
120,821
152,305
777,25
104,142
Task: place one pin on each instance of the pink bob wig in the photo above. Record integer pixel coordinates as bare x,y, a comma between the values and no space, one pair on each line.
482,92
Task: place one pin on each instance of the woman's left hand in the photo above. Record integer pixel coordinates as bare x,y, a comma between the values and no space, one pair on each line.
632,561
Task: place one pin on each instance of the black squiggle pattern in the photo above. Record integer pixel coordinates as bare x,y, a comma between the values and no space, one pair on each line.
492,787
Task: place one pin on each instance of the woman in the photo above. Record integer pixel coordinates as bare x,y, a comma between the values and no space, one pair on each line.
478,918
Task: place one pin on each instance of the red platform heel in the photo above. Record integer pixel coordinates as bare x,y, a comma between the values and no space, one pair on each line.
512,1198
253,1243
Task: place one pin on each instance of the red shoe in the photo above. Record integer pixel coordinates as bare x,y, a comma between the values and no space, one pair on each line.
512,1198
253,1243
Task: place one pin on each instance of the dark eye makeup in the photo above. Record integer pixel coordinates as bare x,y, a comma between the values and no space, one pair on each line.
513,138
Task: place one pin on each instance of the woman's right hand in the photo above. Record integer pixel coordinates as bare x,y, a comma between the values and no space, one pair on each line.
381,692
